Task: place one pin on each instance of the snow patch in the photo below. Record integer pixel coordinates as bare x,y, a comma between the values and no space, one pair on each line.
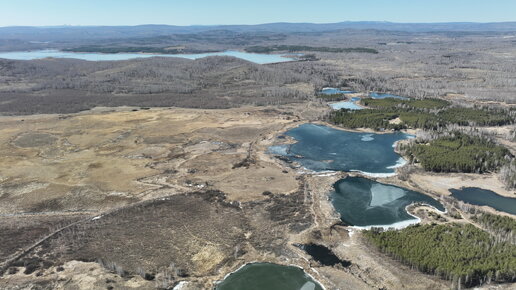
326,173
367,138
180,285
397,226
400,163
375,175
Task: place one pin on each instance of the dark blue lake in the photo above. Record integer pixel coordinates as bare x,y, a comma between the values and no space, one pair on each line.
322,148
363,202
479,196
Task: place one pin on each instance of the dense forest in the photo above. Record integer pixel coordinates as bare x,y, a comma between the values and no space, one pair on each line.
461,253
484,116
384,119
422,114
428,103
503,228
457,152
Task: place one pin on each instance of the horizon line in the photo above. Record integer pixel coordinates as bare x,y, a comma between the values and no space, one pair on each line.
256,24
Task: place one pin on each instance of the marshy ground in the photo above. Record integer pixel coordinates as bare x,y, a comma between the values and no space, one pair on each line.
133,198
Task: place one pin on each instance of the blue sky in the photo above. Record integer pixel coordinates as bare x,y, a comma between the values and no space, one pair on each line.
206,12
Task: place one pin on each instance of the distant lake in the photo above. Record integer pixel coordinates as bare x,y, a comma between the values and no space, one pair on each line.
386,96
321,148
350,105
333,91
266,276
479,196
363,202
38,54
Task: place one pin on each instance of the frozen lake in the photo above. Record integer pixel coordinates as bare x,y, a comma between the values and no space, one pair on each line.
39,54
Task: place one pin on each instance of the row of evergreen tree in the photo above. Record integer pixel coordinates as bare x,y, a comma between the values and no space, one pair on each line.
459,252
420,117
458,152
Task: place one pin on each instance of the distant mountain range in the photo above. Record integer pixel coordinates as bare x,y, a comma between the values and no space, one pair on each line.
103,32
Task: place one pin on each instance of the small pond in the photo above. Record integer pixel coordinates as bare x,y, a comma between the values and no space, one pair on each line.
350,105
479,196
333,91
261,276
363,202
323,255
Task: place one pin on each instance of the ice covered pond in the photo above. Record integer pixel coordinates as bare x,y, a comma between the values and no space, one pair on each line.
363,202
322,148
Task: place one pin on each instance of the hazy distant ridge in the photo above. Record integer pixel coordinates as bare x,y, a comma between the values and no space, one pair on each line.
84,32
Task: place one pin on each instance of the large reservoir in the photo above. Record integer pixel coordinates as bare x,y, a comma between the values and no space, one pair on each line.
90,56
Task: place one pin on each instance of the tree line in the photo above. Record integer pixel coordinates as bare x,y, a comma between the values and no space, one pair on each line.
457,152
426,103
501,227
461,253
419,114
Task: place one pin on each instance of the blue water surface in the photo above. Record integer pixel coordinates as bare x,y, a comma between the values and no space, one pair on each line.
350,105
321,148
386,96
364,202
479,196
333,91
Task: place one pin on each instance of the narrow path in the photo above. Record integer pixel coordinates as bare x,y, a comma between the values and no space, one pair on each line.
49,213
7,263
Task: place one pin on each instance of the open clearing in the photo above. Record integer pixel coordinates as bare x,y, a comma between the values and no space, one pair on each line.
97,161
